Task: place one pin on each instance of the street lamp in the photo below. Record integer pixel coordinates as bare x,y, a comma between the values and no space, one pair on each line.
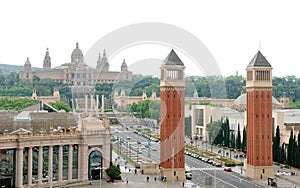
128,138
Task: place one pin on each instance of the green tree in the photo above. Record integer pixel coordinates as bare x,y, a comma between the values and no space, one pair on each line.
61,106
16,103
283,154
226,130
113,172
213,129
238,139
146,109
244,142
232,140
297,158
290,149
276,146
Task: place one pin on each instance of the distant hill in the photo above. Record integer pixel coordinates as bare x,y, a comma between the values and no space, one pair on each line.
7,69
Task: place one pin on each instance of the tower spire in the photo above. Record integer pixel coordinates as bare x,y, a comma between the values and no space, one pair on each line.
99,61
47,61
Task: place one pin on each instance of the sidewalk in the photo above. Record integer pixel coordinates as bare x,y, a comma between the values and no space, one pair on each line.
134,180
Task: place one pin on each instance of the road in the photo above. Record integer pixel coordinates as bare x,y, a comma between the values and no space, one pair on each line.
203,174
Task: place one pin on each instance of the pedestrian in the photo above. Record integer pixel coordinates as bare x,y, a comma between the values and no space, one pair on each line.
155,178
183,184
135,171
176,178
147,178
126,180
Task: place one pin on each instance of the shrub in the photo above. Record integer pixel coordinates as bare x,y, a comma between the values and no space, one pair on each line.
114,173
229,164
108,110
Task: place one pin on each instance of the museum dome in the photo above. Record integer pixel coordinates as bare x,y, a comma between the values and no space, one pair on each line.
77,55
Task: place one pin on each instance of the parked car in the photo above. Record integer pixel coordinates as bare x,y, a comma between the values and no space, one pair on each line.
188,175
218,165
227,169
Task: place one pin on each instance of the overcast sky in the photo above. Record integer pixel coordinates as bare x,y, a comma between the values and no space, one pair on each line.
231,30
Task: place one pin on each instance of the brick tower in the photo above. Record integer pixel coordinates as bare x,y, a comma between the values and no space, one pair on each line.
259,118
172,87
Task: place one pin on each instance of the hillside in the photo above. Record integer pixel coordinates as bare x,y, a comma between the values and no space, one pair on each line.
7,69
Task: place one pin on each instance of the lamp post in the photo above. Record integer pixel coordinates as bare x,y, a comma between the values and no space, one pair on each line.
128,138
173,164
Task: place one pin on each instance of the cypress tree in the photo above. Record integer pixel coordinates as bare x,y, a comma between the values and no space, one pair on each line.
294,151
276,146
298,151
244,143
232,140
226,132
238,139
282,154
290,149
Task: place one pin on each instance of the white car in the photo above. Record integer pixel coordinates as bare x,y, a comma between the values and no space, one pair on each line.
188,175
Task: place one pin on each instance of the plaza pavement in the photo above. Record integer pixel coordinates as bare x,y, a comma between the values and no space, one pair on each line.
140,180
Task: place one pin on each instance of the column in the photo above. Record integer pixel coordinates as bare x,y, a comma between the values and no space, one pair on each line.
92,102
85,102
70,162
97,104
50,165
82,162
40,165
29,172
60,163
102,99
19,167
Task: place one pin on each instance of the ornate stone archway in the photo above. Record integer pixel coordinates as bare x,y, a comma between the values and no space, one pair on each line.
95,163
